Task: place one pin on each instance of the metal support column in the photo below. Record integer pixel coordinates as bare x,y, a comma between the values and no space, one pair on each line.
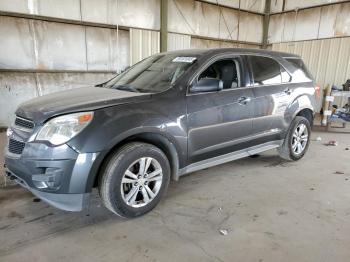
266,24
164,25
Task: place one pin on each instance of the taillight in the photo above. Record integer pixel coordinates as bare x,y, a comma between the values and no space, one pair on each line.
318,91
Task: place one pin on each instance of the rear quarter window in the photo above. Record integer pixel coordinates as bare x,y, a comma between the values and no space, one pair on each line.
299,65
267,71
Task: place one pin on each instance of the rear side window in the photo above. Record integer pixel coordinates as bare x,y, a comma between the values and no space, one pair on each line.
267,71
299,64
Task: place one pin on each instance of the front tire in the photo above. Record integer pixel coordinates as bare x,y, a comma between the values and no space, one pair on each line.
297,140
134,179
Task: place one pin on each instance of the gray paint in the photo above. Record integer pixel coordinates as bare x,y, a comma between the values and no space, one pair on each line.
205,129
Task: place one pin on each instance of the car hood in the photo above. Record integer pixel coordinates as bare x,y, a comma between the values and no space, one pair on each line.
80,99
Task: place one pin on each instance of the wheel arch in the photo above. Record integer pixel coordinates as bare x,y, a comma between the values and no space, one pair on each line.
163,142
303,105
308,113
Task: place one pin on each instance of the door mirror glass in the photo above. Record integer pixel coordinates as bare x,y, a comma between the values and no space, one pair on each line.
207,85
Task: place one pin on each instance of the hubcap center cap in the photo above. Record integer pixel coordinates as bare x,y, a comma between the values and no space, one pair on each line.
141,181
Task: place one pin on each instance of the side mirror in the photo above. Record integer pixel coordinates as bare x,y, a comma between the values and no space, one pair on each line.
207,85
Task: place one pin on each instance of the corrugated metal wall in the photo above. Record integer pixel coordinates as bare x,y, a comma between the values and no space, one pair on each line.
178,41
143,43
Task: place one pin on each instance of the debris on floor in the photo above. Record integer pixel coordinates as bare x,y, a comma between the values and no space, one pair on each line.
346,148
318,138
339,172
223,232
332,143
282,212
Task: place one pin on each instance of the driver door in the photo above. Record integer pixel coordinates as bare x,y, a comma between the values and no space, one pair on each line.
220,122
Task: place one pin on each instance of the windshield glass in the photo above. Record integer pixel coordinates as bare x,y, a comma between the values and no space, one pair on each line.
152,75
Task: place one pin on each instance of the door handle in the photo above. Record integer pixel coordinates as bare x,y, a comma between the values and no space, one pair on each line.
287,91
243,100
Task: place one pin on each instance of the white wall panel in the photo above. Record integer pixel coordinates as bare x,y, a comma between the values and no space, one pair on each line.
34,44
135,13
138,13
293,4
143,43
276,6
69,9
14,89
178,42
248,5
60,46
16,45
307,24
316,23
202,19
250,28
107,49
19,6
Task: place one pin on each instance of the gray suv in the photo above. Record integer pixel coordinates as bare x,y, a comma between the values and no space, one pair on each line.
170,114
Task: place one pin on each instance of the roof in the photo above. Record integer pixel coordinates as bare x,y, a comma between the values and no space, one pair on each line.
216,51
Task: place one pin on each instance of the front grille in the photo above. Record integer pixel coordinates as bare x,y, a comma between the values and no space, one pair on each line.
16,147
21,122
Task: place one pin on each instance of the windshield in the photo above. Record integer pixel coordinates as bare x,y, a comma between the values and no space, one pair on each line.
152,75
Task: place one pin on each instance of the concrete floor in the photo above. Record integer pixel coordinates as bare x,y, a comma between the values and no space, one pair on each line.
272,210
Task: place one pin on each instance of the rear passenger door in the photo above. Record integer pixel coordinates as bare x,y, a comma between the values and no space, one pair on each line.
272,95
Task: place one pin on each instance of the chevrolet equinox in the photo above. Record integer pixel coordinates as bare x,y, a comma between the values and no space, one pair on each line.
170,114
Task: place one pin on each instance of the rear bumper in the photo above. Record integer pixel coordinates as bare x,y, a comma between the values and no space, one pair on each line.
68,202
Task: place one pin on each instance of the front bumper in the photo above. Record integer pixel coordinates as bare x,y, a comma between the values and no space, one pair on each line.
68,202
56,174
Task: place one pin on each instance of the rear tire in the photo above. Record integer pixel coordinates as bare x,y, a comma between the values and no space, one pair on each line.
297,140
134,179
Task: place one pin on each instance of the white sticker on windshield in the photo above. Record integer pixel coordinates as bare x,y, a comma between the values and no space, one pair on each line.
184,59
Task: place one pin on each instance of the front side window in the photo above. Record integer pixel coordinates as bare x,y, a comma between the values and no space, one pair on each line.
152,75
266,71
226,70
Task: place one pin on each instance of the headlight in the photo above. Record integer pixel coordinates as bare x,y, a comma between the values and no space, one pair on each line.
61,129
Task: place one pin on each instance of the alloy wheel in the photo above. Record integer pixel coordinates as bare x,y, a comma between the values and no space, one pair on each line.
300,139
141,182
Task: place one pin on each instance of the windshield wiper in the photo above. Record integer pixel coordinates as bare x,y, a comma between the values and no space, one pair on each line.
124,88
